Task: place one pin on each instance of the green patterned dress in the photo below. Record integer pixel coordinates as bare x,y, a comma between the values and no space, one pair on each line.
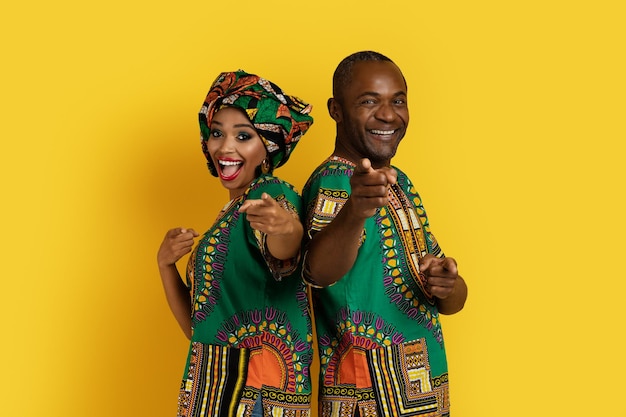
380,342
251,324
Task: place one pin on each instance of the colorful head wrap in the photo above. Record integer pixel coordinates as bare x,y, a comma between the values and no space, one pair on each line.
279,119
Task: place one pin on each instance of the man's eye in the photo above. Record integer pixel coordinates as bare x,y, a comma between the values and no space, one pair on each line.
368,101
400,101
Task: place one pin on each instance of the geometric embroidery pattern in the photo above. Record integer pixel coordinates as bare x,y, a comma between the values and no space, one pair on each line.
342,400
215,385
270,331
362,329
403,383
404,243
276,403
206,272
410,233
328,204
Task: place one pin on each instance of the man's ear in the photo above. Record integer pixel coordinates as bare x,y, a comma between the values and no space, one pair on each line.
334,109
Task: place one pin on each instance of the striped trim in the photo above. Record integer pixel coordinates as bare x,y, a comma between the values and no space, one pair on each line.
215,380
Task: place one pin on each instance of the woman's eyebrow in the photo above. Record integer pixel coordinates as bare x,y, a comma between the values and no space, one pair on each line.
237,125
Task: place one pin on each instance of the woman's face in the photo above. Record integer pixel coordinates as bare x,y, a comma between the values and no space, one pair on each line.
235,148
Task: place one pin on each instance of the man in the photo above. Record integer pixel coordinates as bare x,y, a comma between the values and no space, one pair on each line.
380,278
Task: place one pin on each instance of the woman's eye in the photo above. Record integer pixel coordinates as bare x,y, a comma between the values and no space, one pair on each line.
243,136
216,133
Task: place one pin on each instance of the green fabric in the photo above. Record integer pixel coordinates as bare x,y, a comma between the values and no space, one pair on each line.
380,302
240,297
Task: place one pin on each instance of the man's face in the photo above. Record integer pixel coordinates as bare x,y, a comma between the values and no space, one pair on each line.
373,113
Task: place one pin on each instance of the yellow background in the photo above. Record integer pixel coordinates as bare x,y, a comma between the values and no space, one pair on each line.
516,144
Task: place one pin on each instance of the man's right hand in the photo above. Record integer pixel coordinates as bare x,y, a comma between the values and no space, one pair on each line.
369,188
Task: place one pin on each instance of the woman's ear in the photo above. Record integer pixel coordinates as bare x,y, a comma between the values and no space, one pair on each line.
334,110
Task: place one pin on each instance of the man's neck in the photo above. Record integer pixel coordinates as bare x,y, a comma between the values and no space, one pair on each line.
354,159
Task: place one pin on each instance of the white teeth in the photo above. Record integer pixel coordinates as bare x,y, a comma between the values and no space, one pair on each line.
382,132
229,163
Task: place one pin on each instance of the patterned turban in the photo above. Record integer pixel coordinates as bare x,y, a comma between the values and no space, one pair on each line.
279,119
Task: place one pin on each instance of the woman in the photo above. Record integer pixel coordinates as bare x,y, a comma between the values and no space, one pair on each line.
244,307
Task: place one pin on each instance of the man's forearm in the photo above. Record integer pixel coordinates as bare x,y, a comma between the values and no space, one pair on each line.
333,251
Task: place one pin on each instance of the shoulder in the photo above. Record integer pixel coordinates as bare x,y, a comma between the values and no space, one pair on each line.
273,186
333,171
405,182
401,174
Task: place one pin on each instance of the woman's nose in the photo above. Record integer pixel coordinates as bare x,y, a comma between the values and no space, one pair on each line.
227,145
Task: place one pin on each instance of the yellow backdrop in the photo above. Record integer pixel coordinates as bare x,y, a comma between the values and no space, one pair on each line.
516,144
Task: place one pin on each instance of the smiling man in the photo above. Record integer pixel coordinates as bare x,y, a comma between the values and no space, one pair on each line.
379,276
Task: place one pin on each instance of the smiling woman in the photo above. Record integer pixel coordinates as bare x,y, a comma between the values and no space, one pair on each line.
243,304
236,150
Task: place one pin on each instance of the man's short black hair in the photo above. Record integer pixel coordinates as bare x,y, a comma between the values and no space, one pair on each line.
343,73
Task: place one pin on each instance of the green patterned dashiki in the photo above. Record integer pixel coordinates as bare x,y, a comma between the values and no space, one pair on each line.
251,325
380,342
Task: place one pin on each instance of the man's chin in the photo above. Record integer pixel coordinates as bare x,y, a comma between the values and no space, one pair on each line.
381,157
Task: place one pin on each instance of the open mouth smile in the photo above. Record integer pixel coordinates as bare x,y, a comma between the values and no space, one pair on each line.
229,168
383,132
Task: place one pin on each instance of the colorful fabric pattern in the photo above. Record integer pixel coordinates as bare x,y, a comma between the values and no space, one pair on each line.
280,119
404,384
380,343
251,325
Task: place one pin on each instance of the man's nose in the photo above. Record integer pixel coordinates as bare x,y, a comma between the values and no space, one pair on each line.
385,112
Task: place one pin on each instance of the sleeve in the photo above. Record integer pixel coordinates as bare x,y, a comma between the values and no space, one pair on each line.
288,198
324,197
